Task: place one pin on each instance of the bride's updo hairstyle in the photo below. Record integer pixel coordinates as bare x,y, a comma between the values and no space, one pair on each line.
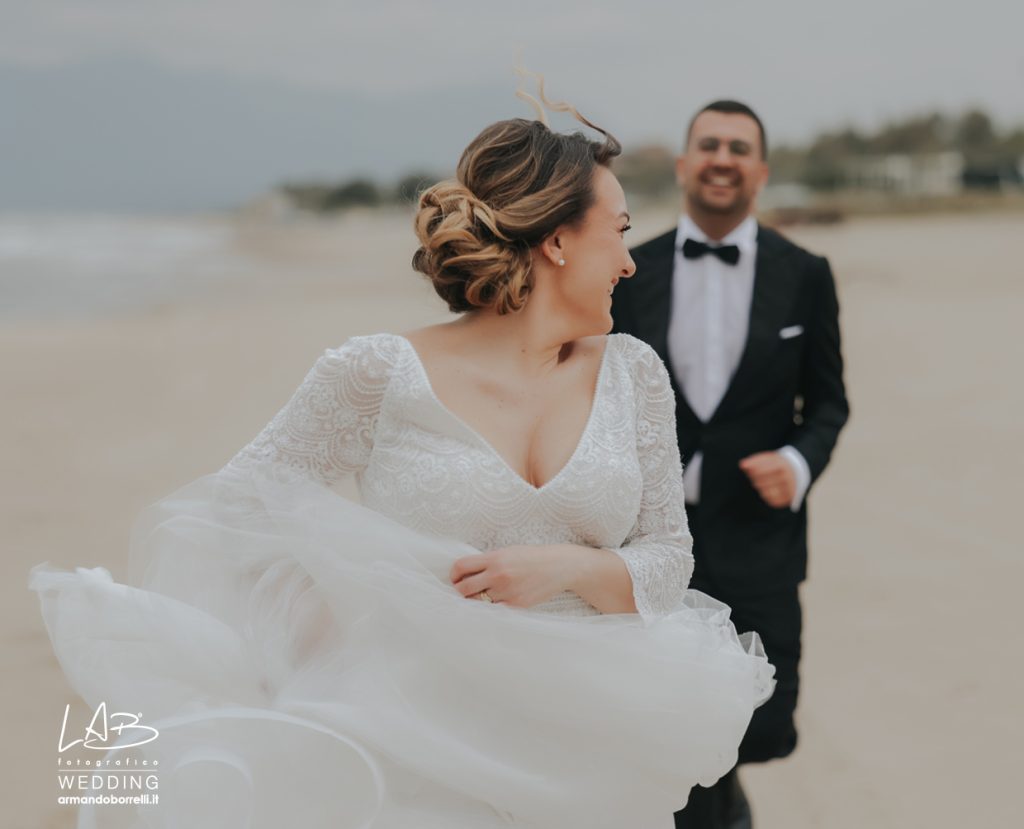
517,183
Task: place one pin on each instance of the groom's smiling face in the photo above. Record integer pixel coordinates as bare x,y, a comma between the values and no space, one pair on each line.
723,168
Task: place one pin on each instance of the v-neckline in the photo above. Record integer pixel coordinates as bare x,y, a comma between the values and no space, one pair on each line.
595,400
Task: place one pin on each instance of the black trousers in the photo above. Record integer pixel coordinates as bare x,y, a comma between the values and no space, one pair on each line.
777,618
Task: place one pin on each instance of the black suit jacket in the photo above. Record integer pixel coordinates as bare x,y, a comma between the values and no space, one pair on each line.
784,391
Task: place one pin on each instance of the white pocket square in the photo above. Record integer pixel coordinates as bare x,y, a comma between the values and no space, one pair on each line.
791,331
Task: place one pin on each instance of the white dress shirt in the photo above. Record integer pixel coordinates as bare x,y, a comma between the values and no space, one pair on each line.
708,331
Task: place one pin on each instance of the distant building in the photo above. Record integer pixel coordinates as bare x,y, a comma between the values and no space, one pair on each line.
785,195
923,174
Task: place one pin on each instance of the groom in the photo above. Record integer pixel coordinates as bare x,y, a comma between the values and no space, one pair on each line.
748,324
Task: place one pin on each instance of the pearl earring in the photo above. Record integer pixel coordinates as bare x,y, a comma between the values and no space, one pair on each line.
561,261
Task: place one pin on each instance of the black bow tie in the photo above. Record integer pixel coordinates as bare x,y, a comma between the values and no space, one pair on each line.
692,249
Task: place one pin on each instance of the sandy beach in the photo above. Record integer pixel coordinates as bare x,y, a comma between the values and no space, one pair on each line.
910,711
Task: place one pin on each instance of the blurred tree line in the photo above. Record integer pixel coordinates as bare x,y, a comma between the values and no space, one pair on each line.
821,165
649,171
357,192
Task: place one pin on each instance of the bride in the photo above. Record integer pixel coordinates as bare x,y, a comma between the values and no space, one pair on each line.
502,633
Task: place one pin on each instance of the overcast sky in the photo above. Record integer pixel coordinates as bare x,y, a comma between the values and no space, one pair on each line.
191,104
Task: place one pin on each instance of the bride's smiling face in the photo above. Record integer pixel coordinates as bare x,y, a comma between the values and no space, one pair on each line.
596,257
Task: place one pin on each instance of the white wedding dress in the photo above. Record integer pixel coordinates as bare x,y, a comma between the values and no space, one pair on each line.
308,663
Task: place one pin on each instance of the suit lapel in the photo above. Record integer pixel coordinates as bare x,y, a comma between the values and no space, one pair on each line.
653,292
653,306
774,292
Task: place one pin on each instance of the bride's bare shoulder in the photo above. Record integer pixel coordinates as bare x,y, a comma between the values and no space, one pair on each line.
430,337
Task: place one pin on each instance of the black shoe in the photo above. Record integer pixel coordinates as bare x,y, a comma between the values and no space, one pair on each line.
736,808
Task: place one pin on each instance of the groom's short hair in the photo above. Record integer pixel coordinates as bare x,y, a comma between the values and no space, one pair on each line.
731,107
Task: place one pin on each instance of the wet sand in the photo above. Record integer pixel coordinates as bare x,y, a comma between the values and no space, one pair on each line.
910,710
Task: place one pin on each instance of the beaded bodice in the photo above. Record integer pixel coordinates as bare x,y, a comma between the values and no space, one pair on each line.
367,409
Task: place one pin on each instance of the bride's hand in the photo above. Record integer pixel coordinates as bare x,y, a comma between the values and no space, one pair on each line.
521,576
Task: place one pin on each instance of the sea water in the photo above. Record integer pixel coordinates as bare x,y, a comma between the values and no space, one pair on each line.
74,265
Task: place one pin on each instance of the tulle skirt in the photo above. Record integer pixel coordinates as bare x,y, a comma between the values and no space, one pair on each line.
307,662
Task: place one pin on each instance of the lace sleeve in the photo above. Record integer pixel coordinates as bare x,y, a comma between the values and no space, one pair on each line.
326,429
657,552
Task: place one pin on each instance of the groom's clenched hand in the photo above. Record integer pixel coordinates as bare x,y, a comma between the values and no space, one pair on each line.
772,476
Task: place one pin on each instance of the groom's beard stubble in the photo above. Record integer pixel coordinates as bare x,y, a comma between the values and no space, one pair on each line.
701,200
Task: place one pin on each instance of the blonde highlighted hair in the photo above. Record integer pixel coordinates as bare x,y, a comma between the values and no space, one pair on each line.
516,183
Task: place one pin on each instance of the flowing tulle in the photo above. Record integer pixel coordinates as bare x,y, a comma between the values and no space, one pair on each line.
275,602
